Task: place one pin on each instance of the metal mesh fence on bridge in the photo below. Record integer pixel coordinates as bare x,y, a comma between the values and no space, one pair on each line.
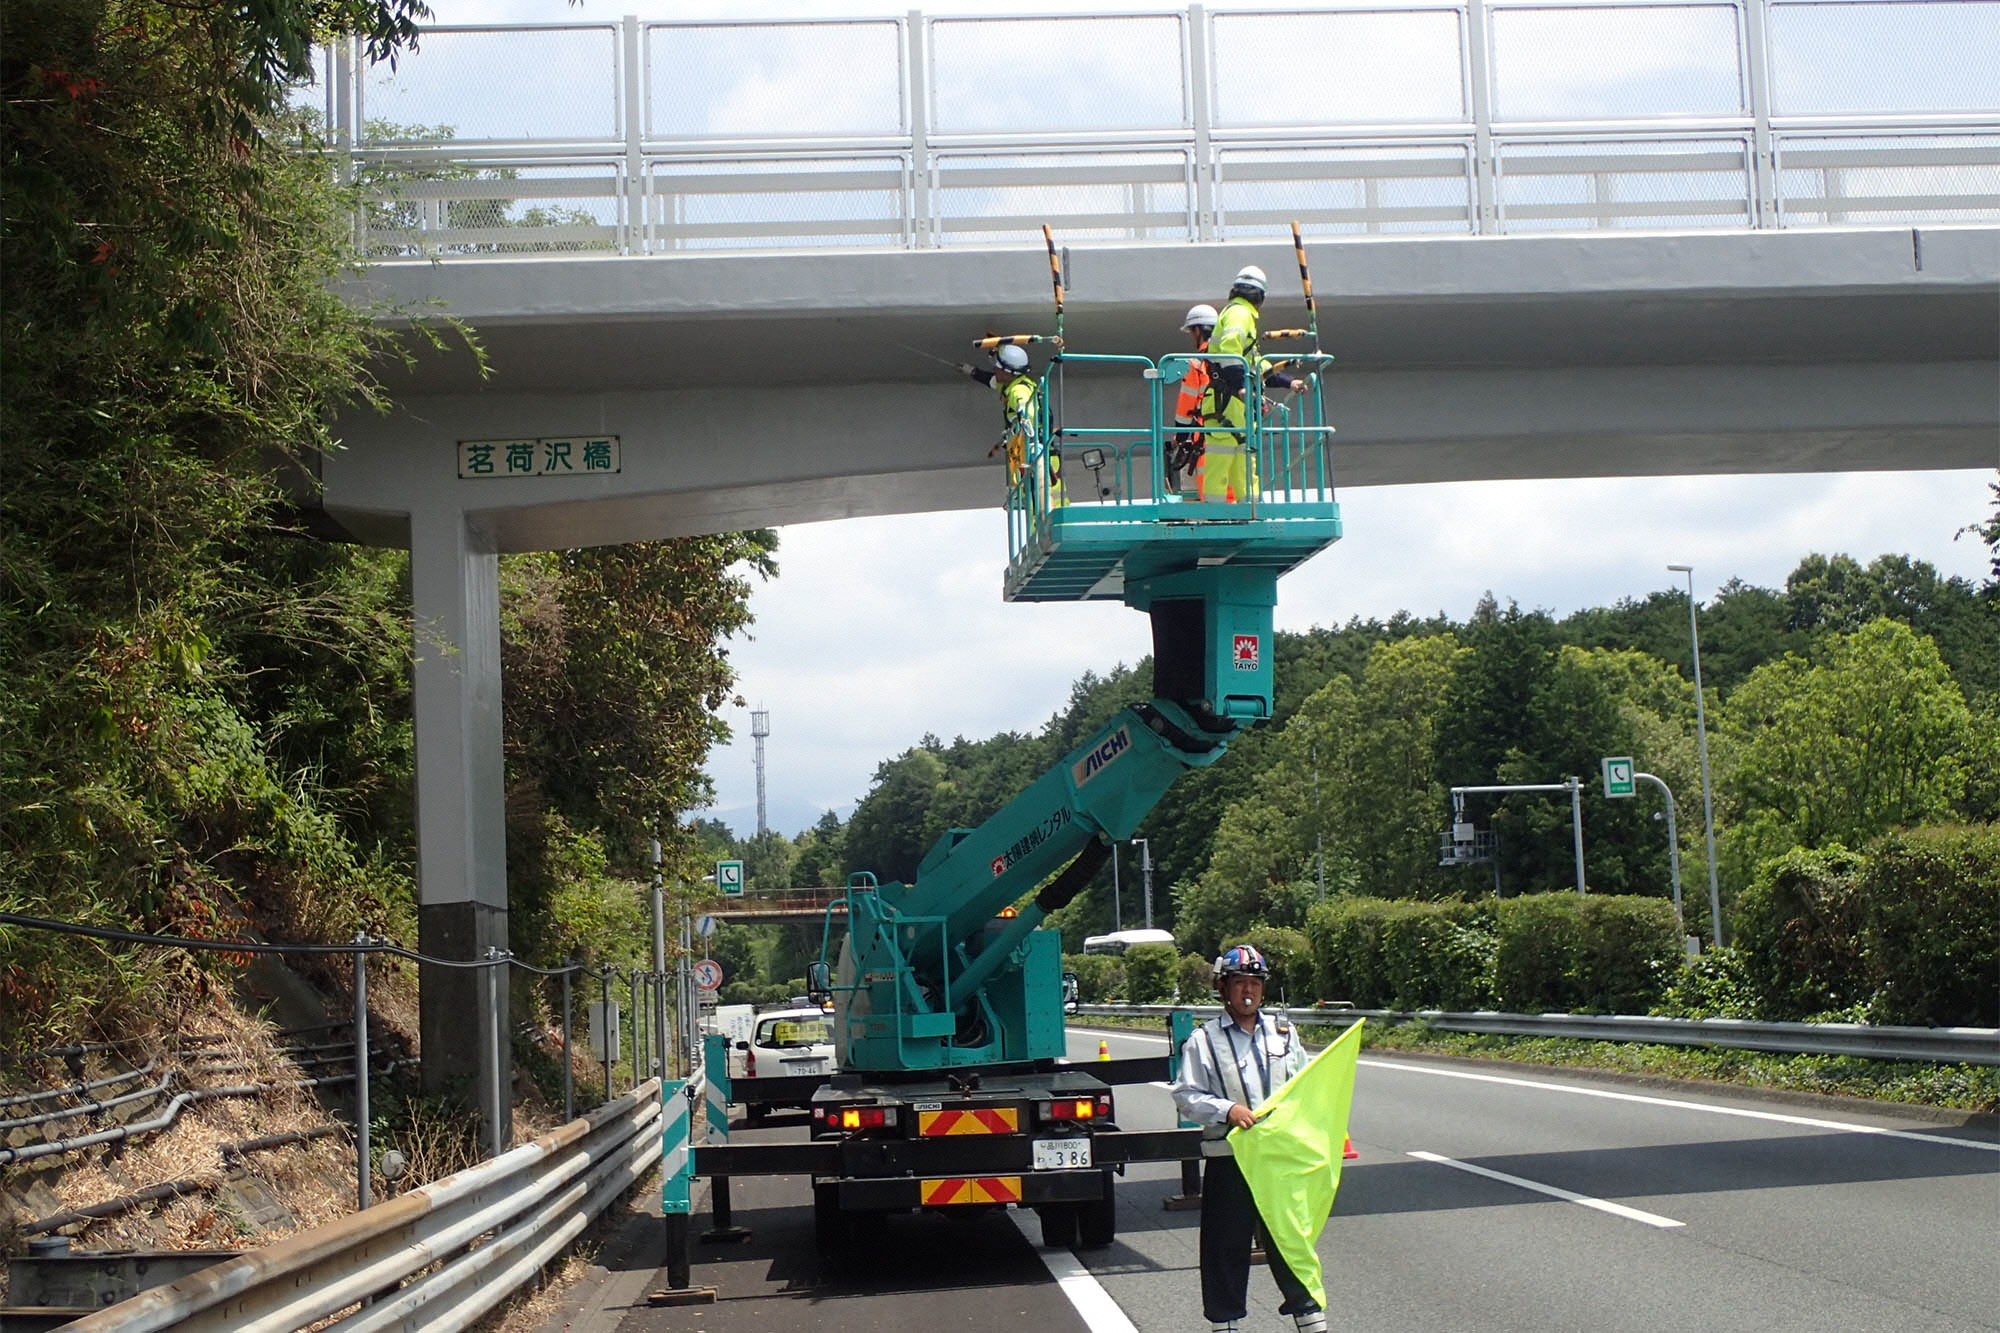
1487,117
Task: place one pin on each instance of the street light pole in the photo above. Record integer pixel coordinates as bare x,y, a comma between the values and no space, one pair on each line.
1146,875
1117,911
1701,744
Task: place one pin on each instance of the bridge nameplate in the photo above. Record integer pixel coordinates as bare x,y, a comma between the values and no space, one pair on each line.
549,456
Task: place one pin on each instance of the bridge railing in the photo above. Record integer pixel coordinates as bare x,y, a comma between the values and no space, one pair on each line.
1419,117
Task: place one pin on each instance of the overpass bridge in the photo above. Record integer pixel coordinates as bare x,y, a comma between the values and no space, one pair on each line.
1553,239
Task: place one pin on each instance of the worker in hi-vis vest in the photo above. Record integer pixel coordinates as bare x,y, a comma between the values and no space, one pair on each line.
1016,387
1184,454
1229,1068
1228,470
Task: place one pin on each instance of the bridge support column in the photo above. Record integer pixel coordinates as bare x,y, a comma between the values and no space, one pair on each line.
461,825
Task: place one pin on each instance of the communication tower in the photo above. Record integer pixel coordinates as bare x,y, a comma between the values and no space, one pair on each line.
760,727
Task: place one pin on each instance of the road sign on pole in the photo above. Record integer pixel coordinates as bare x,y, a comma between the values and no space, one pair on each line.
729,878
704,925
1618,779
708,974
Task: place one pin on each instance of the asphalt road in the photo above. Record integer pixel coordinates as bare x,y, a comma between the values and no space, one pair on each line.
1687,1210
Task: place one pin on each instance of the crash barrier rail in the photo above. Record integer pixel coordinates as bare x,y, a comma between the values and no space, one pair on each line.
495,1124
474,1237
1467,117
1972,1046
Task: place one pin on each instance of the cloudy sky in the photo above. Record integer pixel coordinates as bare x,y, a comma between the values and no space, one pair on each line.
881,630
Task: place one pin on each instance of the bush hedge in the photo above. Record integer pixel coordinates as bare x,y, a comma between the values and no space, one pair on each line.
1149,973
1931,926
1905,931
1542,952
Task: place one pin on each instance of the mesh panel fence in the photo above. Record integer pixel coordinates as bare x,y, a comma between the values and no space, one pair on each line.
1579,186
447,209
774,80
710,204
1906,56
1615,63
519,85
799,134
1360,68
1019,76
985,198
1378,188
1826,180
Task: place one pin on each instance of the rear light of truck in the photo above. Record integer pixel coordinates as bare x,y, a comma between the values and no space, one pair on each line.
750,1063
846,1119
1075,1108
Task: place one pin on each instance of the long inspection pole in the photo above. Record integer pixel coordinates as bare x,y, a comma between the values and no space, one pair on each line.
1572,785
1673,844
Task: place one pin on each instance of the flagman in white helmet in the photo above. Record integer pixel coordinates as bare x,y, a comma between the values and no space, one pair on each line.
1229,1068
1016,387
1228,470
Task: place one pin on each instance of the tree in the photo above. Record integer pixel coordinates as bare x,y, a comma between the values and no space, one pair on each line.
1388,804
615,680
892,827
1868,734
822,853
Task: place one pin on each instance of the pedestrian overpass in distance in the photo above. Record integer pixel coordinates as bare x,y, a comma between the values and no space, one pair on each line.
1551,238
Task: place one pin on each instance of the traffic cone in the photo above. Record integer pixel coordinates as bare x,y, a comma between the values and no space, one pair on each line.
1103,1049
1347,1154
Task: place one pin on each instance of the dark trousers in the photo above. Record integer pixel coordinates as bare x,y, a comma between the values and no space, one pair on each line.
1229,1223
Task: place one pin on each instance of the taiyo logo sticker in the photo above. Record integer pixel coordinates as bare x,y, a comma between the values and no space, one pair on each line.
1088,767
1245,653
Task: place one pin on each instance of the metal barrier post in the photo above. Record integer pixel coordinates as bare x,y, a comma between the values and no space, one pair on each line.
604,1027
569,1047
496,1133
637,1049
362,1183
1180,1026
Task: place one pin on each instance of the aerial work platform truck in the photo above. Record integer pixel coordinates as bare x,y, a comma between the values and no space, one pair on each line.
952,1090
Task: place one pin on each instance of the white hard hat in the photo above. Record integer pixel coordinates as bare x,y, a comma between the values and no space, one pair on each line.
1200,317
1250,276
1012,359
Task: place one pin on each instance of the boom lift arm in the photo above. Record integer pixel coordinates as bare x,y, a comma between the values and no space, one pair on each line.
930,979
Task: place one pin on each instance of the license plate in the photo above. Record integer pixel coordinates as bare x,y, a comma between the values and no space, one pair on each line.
1061,1154
805,1066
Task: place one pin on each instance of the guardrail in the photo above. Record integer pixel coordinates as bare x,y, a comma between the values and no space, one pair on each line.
475,1237
1972,1046
1409,117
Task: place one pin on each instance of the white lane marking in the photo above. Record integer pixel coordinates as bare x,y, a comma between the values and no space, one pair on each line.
1810,1122
1553,1191
1093,1303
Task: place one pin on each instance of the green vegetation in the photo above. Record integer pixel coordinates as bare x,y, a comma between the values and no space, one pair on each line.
205,710
1855,740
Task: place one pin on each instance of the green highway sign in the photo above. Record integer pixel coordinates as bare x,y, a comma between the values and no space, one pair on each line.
729,878
1618,780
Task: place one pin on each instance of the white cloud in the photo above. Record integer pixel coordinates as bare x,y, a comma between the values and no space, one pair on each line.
880,630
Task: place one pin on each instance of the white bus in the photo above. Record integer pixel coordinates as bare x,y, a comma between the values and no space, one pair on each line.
1118,941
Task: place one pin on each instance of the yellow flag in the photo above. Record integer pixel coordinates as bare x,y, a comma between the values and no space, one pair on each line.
1291,1157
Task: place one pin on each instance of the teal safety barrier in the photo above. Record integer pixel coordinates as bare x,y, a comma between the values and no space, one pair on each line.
676,1148
716,1091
